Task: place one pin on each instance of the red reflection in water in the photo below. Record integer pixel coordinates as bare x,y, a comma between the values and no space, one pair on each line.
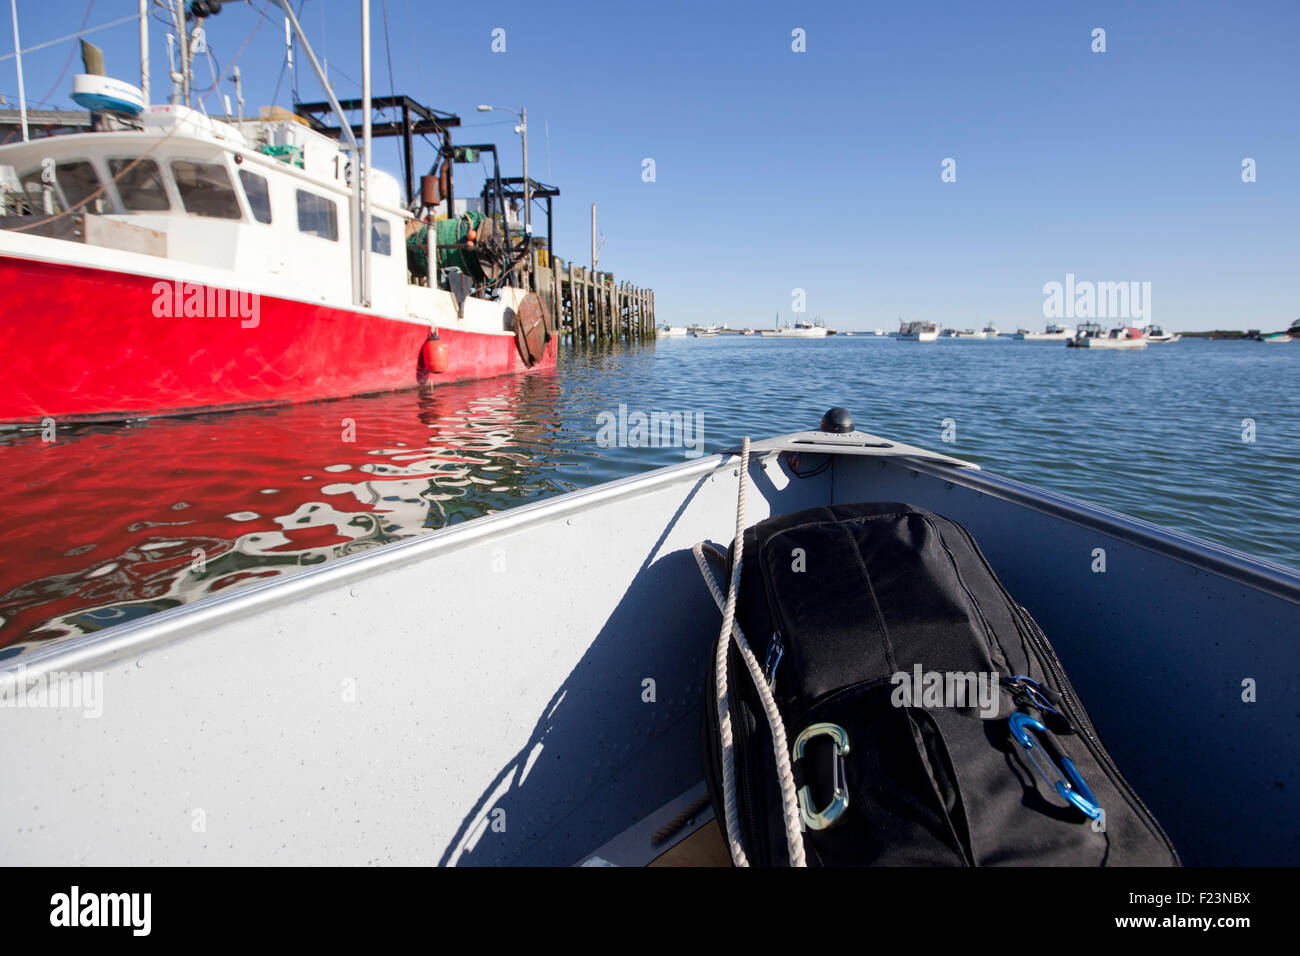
107,523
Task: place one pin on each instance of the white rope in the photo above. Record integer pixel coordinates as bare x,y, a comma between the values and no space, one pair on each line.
731,826
780,747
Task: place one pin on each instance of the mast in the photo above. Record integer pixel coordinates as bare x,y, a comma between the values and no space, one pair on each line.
144,50
364,177
183,39
18,56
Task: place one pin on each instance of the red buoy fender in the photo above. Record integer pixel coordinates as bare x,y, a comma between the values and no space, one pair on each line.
435,354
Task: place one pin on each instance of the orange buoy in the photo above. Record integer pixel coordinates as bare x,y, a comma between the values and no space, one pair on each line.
435,354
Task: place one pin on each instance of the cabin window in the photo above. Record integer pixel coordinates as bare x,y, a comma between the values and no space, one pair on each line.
73,182
381,237
259,196
78,181
317,216
141,186
205,189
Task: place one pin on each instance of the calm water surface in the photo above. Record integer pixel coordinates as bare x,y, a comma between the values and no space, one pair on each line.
108,523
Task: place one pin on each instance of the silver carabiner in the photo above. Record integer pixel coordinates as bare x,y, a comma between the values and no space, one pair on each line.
821,819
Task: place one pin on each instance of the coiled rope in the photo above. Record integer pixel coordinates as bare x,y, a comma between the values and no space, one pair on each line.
780,748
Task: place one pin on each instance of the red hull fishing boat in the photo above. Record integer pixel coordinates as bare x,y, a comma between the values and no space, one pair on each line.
166,262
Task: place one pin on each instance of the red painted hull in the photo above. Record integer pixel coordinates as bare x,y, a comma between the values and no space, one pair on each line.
83,343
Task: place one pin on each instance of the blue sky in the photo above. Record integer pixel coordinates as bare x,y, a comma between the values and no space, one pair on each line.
820,170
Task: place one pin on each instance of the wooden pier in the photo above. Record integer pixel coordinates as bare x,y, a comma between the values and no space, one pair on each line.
592,307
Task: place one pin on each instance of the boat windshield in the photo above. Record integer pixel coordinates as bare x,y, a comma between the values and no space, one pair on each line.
140,187
69,183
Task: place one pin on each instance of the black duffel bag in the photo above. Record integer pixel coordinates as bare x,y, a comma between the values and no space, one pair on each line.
927,719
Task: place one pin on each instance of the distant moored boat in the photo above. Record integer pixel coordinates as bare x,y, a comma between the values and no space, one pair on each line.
1055,333
1157,335
918,332
800,330
1121,338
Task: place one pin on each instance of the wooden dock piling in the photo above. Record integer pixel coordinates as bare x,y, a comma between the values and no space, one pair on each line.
590,306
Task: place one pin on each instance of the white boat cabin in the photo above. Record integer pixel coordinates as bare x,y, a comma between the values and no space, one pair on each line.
268,200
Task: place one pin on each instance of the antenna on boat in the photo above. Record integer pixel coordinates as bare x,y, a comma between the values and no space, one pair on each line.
175,98
239,92
288,60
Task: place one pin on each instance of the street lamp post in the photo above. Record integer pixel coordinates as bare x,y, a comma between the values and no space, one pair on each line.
528,203
522,130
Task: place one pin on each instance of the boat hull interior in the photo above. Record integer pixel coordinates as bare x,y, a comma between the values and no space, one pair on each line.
524,688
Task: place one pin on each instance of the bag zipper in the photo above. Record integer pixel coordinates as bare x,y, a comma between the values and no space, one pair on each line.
750,811
1069,697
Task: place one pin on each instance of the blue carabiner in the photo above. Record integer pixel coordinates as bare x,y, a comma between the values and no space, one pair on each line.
1070,783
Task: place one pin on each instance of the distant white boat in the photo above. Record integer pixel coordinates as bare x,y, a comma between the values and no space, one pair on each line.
672,330
970,334
1055,333
1277,337
1158,336
800,330
1121,338
918,332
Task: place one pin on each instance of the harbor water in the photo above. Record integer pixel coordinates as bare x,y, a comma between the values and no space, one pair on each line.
106,523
